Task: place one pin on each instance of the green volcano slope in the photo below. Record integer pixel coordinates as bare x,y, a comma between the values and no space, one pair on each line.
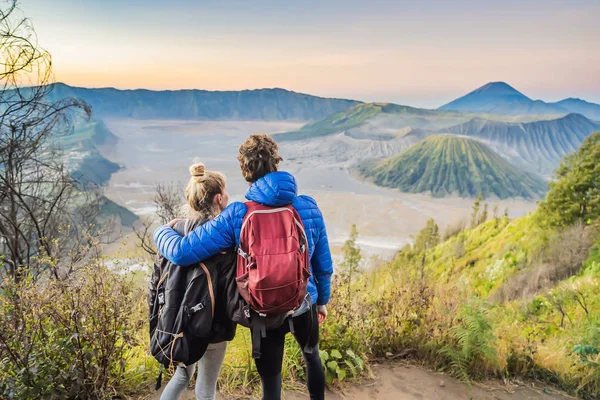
359,114
444,165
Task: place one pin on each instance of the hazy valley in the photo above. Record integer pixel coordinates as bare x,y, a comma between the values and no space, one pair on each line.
161,151
323,142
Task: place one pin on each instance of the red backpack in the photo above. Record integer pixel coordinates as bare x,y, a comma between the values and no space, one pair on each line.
272,266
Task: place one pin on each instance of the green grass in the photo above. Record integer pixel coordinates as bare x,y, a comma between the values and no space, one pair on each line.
552,335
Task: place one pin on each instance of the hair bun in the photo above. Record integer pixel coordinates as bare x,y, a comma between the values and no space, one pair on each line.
197,172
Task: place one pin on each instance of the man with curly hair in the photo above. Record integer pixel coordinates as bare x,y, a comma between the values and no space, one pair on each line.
259,161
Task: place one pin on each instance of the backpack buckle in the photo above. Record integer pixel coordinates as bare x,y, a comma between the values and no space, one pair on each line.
197,307
243,254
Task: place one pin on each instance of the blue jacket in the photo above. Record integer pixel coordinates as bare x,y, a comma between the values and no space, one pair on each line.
275,189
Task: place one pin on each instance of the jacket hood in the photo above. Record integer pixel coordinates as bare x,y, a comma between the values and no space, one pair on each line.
274,189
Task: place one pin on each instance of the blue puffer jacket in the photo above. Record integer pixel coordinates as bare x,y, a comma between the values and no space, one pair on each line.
275,189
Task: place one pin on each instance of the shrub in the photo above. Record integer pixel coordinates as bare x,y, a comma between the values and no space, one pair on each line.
472,353
562,257
71,338
574,194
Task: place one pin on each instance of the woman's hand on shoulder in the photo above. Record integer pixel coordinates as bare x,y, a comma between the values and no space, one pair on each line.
172,223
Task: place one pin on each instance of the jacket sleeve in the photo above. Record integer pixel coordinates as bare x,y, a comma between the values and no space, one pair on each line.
322,265
203,242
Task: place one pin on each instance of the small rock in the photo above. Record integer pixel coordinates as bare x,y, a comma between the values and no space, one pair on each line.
442,383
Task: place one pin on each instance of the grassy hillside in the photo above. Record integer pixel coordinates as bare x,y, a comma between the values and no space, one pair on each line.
446,164
511,299
354,116
505,298
261,104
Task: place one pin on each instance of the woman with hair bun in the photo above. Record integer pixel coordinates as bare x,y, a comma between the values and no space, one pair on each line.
206,194
259,162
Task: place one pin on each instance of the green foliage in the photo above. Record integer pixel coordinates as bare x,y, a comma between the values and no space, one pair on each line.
349,266
78,337
428,237
473,353
484,215
588,353
574,194
475,213
351,252
447,164
437,301
338,366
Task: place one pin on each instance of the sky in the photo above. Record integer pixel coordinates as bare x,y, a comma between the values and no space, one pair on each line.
423,53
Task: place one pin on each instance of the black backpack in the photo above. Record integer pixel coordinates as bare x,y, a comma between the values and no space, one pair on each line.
187,306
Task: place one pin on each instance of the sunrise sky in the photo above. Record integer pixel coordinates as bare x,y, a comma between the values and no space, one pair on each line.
422,53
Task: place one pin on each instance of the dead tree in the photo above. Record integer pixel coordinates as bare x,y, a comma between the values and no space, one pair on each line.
41,205
168,200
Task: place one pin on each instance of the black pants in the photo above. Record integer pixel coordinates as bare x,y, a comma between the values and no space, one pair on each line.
306,332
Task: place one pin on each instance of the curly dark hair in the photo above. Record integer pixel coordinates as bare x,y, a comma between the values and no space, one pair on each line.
258,156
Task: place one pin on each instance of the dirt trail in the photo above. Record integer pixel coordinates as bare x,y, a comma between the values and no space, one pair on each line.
407,382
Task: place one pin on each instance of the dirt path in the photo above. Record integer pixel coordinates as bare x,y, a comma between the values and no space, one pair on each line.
407,382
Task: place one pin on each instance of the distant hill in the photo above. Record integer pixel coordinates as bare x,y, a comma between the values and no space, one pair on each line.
501,98
382,119
89,166
445,164
578,106
536,145
260,104
83,157
396,117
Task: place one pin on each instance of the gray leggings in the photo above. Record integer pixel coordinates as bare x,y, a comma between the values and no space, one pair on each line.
209,367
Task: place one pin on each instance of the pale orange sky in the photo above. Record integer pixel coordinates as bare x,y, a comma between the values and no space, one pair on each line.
421,54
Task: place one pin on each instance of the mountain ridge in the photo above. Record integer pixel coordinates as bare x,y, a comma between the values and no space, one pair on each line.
250,104
500,87
501,98
356,116
539,144
444,165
